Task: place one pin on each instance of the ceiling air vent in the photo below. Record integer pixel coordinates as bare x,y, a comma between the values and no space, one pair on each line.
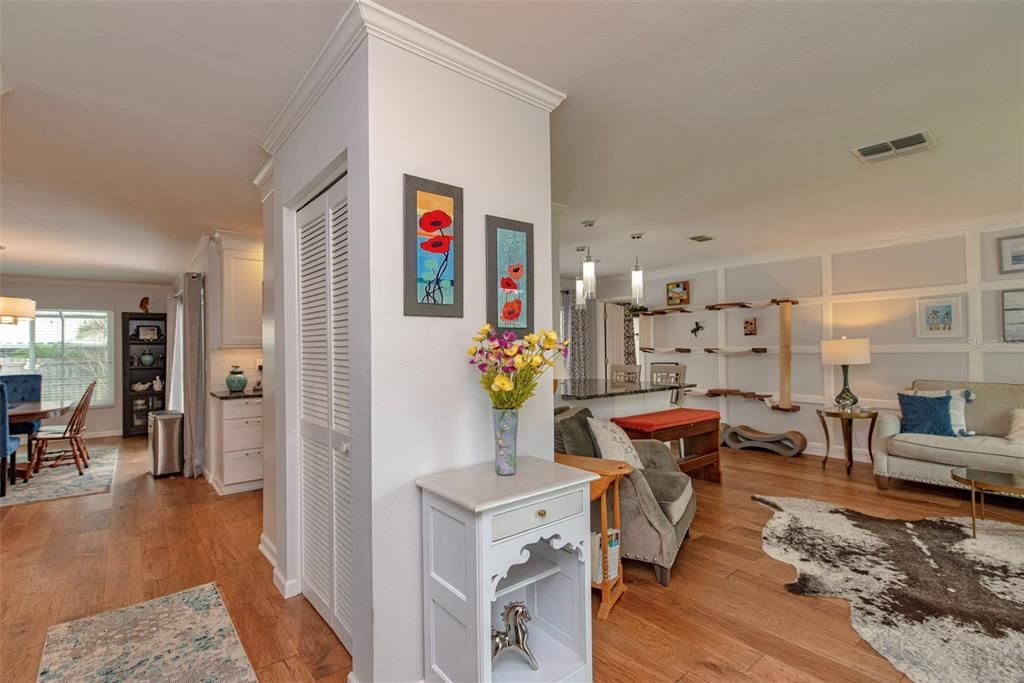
908,144
702,238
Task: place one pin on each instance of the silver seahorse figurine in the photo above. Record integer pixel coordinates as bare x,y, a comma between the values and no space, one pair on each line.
515,635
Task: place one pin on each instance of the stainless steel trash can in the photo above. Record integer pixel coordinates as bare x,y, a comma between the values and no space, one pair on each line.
165,443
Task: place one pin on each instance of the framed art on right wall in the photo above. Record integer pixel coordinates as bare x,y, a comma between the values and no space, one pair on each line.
940,317
1011,254
1013,315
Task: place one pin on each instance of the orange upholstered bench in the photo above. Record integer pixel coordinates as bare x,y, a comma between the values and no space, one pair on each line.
697,429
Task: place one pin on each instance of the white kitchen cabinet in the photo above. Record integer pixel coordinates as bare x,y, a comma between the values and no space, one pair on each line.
490,540
234,292
235,460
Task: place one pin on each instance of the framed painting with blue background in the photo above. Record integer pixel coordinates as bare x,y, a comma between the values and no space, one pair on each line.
939,318
433,248
509,275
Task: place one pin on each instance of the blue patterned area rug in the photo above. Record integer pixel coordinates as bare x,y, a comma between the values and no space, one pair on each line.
64,481
184,637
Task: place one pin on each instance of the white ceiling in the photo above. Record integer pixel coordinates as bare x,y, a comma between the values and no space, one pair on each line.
133,127
735,119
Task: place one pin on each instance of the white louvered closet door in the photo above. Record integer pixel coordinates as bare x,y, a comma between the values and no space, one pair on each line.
324,397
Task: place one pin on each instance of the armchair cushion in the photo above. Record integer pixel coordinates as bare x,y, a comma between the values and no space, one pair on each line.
612,443
672,490
653,453
575,433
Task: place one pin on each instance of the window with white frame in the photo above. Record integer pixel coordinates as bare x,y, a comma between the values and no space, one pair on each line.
69,349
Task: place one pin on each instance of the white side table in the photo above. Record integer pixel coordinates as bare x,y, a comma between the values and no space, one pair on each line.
490,540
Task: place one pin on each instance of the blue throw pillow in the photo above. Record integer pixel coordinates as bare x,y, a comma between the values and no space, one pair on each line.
925,415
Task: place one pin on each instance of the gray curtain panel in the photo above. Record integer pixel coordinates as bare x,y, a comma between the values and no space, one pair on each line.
576,327
194,375
629,341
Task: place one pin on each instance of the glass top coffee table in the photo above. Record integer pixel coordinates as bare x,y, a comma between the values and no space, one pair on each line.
985,480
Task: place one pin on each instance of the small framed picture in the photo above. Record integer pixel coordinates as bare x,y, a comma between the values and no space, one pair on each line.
1013,315
148,332
940,317
677,293
1011,254
750,327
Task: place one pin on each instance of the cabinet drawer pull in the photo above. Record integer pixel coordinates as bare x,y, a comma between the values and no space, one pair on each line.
254,422
542,513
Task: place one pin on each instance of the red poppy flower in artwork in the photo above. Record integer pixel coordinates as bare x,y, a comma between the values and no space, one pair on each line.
435,220
508,284
516,271
512,310
438,245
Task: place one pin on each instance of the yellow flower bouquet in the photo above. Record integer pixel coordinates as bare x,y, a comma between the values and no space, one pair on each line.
509,370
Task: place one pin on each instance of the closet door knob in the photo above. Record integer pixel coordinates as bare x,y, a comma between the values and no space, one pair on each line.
542,513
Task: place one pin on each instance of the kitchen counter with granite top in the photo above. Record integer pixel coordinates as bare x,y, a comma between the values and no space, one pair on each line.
605,388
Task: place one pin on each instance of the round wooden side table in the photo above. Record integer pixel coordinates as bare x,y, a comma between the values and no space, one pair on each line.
846,418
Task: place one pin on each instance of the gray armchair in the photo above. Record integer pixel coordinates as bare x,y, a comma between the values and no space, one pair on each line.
657,503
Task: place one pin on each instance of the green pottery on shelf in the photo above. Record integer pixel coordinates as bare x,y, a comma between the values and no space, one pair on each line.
236,379
147,358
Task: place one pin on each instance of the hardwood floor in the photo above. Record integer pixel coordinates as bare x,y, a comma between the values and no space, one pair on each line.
69,558
725,617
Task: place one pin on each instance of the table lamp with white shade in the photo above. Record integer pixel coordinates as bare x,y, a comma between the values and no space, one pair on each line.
846,352
560,373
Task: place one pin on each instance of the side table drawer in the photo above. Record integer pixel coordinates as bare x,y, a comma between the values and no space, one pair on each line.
241,466
505,524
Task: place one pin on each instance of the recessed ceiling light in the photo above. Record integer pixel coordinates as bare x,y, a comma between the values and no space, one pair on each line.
589,223
636,235
702,238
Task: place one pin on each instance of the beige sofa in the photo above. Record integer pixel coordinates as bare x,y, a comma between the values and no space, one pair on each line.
927,458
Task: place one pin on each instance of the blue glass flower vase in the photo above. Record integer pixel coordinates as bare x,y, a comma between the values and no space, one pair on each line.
506,427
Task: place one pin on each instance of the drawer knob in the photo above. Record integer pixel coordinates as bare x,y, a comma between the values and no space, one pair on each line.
542,513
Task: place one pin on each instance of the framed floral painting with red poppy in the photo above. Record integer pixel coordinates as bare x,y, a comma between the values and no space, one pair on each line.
509,275
433,248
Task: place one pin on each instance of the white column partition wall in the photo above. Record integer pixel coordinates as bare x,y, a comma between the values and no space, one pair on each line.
438,111
867,289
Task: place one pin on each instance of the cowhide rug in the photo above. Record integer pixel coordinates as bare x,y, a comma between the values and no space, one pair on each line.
938,604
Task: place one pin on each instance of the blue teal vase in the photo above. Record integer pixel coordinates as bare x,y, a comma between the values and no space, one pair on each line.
236,379
506,426
147,358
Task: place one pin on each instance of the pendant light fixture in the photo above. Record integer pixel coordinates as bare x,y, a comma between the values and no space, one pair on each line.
637,280
13,309
589,277
581,299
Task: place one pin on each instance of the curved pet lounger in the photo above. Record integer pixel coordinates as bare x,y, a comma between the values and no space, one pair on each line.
787,443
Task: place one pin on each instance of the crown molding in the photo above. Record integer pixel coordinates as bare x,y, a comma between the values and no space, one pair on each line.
365,17
407,34
340,47
264,178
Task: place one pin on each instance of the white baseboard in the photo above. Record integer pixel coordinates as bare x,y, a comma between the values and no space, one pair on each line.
289,588
228,489
269,550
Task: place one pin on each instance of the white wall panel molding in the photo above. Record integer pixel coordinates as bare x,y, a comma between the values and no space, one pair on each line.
966,353
990,224
365,18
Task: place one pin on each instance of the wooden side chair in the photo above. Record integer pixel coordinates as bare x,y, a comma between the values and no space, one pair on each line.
73,433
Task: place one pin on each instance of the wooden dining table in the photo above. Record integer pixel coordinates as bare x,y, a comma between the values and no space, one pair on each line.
30,411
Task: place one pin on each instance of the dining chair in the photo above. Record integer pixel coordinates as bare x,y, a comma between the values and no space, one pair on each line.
625,373
22,389
72,432
670,374
8,442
